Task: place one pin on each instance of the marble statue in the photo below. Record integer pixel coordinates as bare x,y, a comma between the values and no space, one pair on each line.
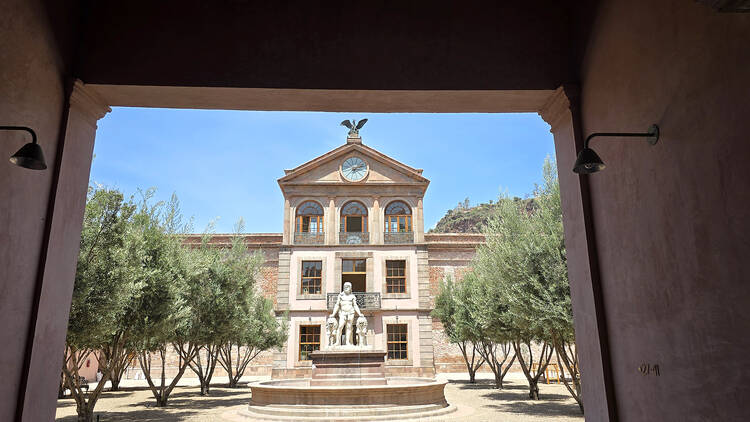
346,306
362,331
332,327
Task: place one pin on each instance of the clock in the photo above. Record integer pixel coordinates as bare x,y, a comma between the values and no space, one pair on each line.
354,169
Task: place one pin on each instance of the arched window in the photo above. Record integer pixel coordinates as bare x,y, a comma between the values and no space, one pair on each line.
354,218
309,218
397,217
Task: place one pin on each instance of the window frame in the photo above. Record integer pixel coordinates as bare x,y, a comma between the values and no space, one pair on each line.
318,218
354,265
389,341
300,343
397,218
345,217
319,278
389,277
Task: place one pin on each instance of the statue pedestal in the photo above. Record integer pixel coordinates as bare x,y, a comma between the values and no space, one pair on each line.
348,366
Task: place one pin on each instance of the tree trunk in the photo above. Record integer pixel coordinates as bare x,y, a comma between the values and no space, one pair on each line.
526,366
235,369
205,374
85,402
115,383
488,350
534,389
567,359
115,375
162,391
85,415
61,387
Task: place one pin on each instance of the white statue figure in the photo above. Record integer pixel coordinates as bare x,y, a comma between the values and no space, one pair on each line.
346,306
362,331
331,329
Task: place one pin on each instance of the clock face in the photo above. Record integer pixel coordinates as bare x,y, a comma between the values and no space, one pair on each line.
354,169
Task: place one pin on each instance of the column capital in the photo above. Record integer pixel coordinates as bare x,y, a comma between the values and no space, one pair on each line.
88,101
564,99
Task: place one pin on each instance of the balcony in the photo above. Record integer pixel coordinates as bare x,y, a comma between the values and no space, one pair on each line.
354,238
398,237
367,301
309,238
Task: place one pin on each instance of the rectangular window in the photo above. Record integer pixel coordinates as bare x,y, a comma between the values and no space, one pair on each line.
395,276
309,340
397,335
311,277
398,224
353,265
354,224
309,224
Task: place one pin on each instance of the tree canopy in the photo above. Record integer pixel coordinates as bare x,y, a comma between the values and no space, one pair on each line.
518,291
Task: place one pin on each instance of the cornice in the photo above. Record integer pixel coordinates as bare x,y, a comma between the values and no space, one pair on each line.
561,101
87,100
346,149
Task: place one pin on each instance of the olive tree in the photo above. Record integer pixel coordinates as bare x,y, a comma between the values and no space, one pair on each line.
451,314
523,263
104,285
159,312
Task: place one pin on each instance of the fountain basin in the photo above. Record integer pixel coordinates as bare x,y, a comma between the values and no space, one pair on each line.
347,384
397,392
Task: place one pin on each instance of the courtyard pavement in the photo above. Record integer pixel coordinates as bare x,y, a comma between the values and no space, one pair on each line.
475,402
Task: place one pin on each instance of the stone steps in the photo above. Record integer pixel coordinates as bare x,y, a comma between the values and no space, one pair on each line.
306,413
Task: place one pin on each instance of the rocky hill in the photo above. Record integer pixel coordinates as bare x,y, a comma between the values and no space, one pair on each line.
467,219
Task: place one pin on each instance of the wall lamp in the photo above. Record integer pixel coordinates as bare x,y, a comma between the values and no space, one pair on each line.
589,162
30,156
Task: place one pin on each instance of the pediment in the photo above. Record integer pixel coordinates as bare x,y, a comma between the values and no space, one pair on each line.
325,170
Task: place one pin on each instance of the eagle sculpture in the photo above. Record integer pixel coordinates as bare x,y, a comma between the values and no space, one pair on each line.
354,126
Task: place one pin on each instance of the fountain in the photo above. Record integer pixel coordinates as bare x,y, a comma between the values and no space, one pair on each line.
348,382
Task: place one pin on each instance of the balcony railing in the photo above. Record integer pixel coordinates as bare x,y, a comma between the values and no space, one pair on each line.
354,238
395,237
367,301
309,238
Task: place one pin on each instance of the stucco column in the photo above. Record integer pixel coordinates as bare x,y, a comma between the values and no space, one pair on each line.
376,228
288,224
331,227
562,114
54,290
419,222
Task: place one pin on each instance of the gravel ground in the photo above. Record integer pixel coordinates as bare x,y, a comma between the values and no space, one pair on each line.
475,402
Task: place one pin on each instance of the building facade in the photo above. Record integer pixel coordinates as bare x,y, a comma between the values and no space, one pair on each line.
356,215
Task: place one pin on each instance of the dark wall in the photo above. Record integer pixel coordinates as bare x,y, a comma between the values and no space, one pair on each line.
324,44
672,220
32,93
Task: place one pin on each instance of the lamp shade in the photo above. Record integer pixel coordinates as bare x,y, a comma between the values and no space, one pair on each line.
30,156
588,162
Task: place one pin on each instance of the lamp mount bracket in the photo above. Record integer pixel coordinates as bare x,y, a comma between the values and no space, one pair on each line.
652,136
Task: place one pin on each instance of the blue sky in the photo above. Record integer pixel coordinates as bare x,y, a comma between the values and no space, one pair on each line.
223,165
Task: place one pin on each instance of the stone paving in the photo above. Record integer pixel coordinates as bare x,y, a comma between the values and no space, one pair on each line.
476,402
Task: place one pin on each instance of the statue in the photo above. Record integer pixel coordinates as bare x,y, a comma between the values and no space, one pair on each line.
354,126
346,306
362,331
332,327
